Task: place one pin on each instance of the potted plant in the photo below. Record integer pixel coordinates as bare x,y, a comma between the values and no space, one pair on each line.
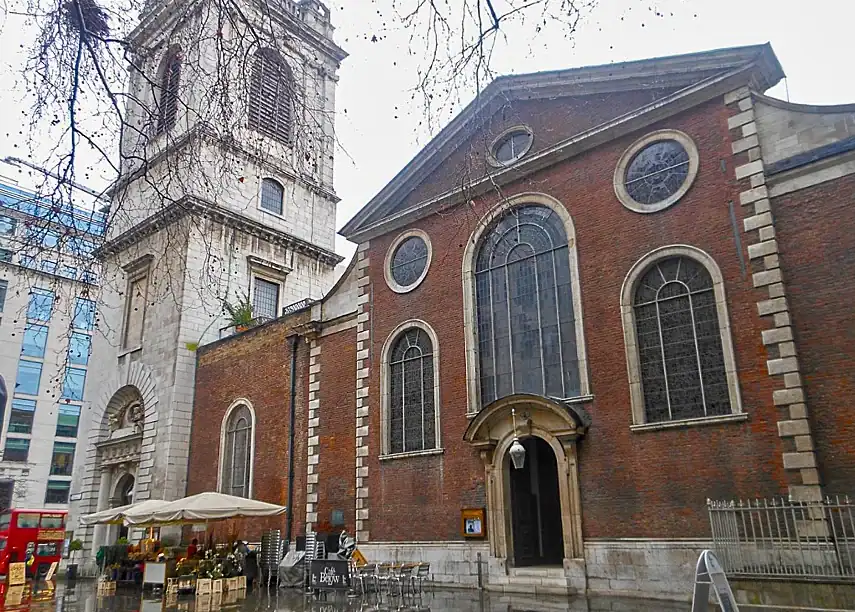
240,313
71,569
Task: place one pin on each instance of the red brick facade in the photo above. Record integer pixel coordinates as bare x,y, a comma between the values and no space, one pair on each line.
254,366
816,226
642,483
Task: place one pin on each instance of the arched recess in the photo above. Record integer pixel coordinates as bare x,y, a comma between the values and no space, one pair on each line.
628,318
240,403
470,326
560,425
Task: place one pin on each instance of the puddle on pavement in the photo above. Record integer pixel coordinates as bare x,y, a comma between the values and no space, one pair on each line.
82,597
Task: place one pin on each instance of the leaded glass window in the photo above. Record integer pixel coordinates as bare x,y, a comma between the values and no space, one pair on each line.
409,261
679,342
265,299
237,453
512,146
657,172
272,196
524,302
412,410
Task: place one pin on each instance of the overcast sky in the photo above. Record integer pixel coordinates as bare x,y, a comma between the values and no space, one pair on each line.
380,129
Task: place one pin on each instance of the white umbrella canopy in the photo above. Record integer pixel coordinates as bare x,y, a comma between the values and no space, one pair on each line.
201,508
117,515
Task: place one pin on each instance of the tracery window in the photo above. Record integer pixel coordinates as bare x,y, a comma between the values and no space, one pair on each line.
680,353
271,91
524,302
167,98
236,457
412,406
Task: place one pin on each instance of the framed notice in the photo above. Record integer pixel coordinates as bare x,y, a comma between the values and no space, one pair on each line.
472,523
17,574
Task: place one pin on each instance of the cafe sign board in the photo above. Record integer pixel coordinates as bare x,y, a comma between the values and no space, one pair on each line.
329,574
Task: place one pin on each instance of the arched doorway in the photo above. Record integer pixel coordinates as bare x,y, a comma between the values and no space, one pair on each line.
124,495
536,530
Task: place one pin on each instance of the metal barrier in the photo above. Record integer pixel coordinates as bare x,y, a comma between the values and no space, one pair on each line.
784,538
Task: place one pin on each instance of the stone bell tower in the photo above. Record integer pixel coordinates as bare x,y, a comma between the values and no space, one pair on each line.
225,199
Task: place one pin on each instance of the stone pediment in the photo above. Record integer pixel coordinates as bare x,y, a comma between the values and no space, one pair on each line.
120,448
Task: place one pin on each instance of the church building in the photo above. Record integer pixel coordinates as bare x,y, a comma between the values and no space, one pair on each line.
597,299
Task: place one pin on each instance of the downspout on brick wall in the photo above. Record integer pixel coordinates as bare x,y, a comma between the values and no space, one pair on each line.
292,408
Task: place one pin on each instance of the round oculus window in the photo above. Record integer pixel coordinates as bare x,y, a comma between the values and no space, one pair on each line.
657,172
511,146
409,261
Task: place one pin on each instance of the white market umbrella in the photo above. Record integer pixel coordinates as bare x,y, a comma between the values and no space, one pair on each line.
202,508
116,516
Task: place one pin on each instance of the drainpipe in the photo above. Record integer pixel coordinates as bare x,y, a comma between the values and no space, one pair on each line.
293,408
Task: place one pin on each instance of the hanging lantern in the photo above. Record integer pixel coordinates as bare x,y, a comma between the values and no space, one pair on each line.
517,453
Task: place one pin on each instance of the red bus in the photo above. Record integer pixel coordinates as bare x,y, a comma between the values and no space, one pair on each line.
39,533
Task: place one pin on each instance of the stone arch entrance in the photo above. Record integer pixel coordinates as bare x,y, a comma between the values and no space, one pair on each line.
118,456
543,426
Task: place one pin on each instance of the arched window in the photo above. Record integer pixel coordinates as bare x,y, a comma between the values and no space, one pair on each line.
272,195
526,322
236,456
169,77
271,90
680,354
412,422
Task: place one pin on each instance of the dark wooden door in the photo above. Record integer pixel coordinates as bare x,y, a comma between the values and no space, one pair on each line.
524,515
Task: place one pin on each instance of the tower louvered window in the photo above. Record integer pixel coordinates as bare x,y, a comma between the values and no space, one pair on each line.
170,77
271,89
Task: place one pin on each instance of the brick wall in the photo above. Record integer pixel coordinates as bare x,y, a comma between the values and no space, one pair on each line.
337,430
651,484
254,365
815,228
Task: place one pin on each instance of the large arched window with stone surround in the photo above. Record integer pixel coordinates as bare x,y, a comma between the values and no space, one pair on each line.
237,450
677,333
411,390
526,313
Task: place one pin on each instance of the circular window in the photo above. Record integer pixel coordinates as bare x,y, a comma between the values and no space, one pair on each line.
407,261
656,171
510,146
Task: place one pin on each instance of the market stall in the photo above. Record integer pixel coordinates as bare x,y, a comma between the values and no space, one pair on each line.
208,567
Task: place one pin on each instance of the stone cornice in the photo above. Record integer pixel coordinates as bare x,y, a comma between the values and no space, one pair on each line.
663,108
193,206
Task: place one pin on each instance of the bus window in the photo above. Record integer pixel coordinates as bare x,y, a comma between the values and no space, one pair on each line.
29,520
2,544
5,520
47,549
52,521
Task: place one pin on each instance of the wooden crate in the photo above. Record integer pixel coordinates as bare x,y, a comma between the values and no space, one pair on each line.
230,584
217,585
203,586
241,582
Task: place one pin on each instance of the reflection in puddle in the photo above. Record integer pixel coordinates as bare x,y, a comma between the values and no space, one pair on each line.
82,597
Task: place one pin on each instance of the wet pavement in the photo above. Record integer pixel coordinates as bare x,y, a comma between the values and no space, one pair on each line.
82,597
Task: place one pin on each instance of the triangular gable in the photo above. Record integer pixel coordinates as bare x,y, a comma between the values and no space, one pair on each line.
432,170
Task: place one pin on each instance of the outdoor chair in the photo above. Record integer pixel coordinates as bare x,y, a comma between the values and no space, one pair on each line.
402,576
366,576
420,575
384,577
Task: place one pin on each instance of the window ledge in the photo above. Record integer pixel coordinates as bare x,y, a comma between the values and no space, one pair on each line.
713,420
421,453
272,213
128,351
